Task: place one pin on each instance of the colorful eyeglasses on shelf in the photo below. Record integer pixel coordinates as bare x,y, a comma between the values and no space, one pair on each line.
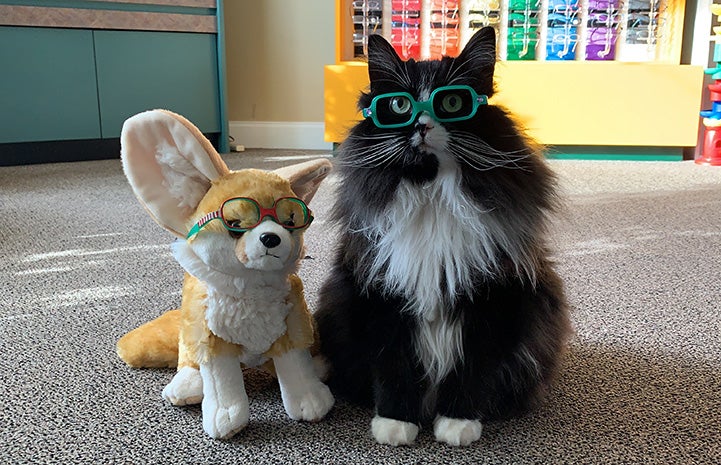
524,5
241,214
484,19
450,16
484,5
604,19
360,19
446,104
522,20
447,4
560,20
367,4
406,5
567,7
517,35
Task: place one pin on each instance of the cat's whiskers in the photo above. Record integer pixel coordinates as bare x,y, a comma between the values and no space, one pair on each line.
482,155
380,136
484,164
472,138
384,153
481,163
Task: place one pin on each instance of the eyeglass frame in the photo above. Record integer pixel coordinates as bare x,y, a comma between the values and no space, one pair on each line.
425,106
262,214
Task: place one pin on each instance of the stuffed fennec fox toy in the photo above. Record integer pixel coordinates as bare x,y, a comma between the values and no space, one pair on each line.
241,240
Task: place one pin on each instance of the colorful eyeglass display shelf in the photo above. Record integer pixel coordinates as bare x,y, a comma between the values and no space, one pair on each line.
405,28
444,28
483,13
523,29
642,29
562,35
604,19
548,30
367,17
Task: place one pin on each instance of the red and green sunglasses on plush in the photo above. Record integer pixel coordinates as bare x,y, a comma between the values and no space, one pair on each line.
240,214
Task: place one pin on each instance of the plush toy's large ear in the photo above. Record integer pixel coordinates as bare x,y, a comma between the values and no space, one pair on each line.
170,166
306,177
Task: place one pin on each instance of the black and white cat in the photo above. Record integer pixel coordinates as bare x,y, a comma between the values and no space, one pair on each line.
442,305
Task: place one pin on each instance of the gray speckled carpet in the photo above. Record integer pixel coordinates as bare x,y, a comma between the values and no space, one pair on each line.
639,247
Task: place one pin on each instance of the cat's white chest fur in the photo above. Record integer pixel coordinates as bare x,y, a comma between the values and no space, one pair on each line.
253,319
430,240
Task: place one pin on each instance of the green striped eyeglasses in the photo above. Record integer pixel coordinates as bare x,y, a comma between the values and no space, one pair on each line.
446,104
241,214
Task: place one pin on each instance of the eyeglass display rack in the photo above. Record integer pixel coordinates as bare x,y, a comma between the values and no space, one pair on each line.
576,73
563,20
603,26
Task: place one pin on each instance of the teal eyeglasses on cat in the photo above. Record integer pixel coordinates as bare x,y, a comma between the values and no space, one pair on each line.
446,104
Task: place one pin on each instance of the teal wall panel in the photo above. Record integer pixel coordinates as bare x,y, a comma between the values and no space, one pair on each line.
47,85
138,71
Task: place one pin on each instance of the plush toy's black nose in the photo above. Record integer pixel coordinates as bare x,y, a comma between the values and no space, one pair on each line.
270,240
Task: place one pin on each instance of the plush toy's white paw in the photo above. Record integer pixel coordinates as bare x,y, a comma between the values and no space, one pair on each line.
186,387
310,403
393,432
456,432
224,422
225,402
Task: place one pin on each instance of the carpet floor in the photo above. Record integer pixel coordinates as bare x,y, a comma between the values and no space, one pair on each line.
638,246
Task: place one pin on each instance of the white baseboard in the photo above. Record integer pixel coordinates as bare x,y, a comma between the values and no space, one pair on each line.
279,135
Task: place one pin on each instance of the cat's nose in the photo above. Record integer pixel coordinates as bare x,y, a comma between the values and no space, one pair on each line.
422,128
270,240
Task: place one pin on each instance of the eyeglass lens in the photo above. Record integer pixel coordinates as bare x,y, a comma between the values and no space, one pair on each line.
243,214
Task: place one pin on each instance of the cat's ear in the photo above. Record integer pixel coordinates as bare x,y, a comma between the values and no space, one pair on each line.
481,49
383,62
480,55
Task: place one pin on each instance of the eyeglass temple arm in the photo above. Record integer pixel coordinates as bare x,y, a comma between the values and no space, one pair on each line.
202,222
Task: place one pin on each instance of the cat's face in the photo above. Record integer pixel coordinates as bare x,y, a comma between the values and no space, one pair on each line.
422,114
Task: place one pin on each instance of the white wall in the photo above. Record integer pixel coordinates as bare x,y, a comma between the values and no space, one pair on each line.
275,53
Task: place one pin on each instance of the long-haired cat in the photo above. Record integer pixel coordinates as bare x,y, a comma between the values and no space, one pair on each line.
442,304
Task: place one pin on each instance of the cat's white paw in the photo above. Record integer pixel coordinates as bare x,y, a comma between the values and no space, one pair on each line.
309,403
224,422
393,432
186,387
456,432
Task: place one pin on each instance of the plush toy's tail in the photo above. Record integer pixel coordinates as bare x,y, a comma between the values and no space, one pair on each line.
154,344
